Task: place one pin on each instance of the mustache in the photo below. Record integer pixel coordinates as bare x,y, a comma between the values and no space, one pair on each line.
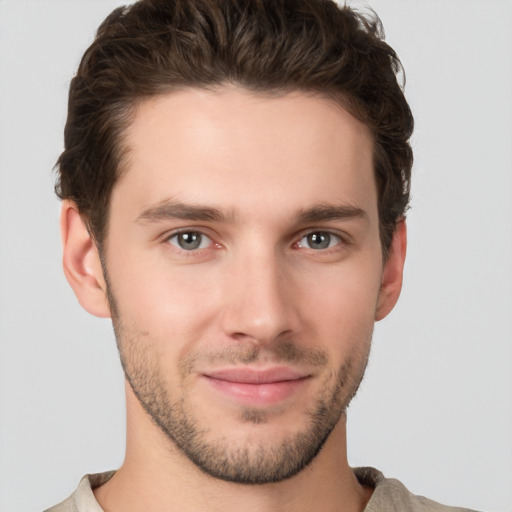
246,353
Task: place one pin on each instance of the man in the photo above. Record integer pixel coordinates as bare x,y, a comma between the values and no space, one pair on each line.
234,182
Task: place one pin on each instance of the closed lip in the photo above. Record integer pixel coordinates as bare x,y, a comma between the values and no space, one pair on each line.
256,376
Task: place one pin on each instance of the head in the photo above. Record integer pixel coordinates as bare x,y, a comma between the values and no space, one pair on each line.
238,174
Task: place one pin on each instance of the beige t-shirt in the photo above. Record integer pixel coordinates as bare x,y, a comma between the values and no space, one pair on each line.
389,495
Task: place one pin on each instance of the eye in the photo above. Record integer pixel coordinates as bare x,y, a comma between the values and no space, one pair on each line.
319,240
190,240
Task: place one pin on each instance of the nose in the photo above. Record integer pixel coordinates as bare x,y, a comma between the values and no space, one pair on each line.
259,303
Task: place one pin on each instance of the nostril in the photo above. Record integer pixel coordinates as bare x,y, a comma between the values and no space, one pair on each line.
261,339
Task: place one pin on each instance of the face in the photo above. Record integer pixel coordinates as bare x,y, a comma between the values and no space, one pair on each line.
244,270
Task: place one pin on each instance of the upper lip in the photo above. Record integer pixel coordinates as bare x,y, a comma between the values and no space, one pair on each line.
256,376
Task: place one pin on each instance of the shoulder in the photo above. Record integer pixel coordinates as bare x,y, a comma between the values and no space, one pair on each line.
391,495
83,500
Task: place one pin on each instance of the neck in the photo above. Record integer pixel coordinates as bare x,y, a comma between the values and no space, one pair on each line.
157,476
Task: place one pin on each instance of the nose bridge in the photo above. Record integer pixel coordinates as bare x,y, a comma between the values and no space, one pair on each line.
258,303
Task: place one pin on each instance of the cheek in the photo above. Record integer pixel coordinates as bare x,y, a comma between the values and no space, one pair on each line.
169,307
341,302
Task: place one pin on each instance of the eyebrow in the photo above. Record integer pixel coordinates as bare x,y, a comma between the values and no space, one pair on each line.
326,212
171,210
168,210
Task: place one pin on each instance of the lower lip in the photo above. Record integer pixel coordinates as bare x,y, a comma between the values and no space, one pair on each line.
258,394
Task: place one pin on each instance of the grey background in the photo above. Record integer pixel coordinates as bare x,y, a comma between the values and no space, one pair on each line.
435,409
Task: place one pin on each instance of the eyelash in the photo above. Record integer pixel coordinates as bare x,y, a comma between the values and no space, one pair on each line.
189,232
340,241
324,234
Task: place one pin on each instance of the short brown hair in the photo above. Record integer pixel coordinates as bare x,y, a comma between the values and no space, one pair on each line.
158,46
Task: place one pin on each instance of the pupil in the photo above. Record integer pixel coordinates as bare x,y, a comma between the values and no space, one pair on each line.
190,240
319,240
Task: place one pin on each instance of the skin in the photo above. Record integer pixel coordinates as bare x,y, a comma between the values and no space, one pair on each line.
259,283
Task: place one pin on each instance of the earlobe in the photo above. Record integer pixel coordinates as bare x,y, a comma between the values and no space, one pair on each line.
392,274
81,262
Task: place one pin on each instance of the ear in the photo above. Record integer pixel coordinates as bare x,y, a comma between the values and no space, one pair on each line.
393,272
81,262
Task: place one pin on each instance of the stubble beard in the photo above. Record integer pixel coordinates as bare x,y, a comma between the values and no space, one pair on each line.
251,463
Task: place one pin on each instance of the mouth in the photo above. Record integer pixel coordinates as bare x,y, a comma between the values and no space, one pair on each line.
257,387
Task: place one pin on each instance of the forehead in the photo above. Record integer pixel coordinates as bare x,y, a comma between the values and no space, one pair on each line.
234,149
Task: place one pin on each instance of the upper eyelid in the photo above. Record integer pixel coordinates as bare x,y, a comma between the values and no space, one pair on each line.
323,231
181,231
